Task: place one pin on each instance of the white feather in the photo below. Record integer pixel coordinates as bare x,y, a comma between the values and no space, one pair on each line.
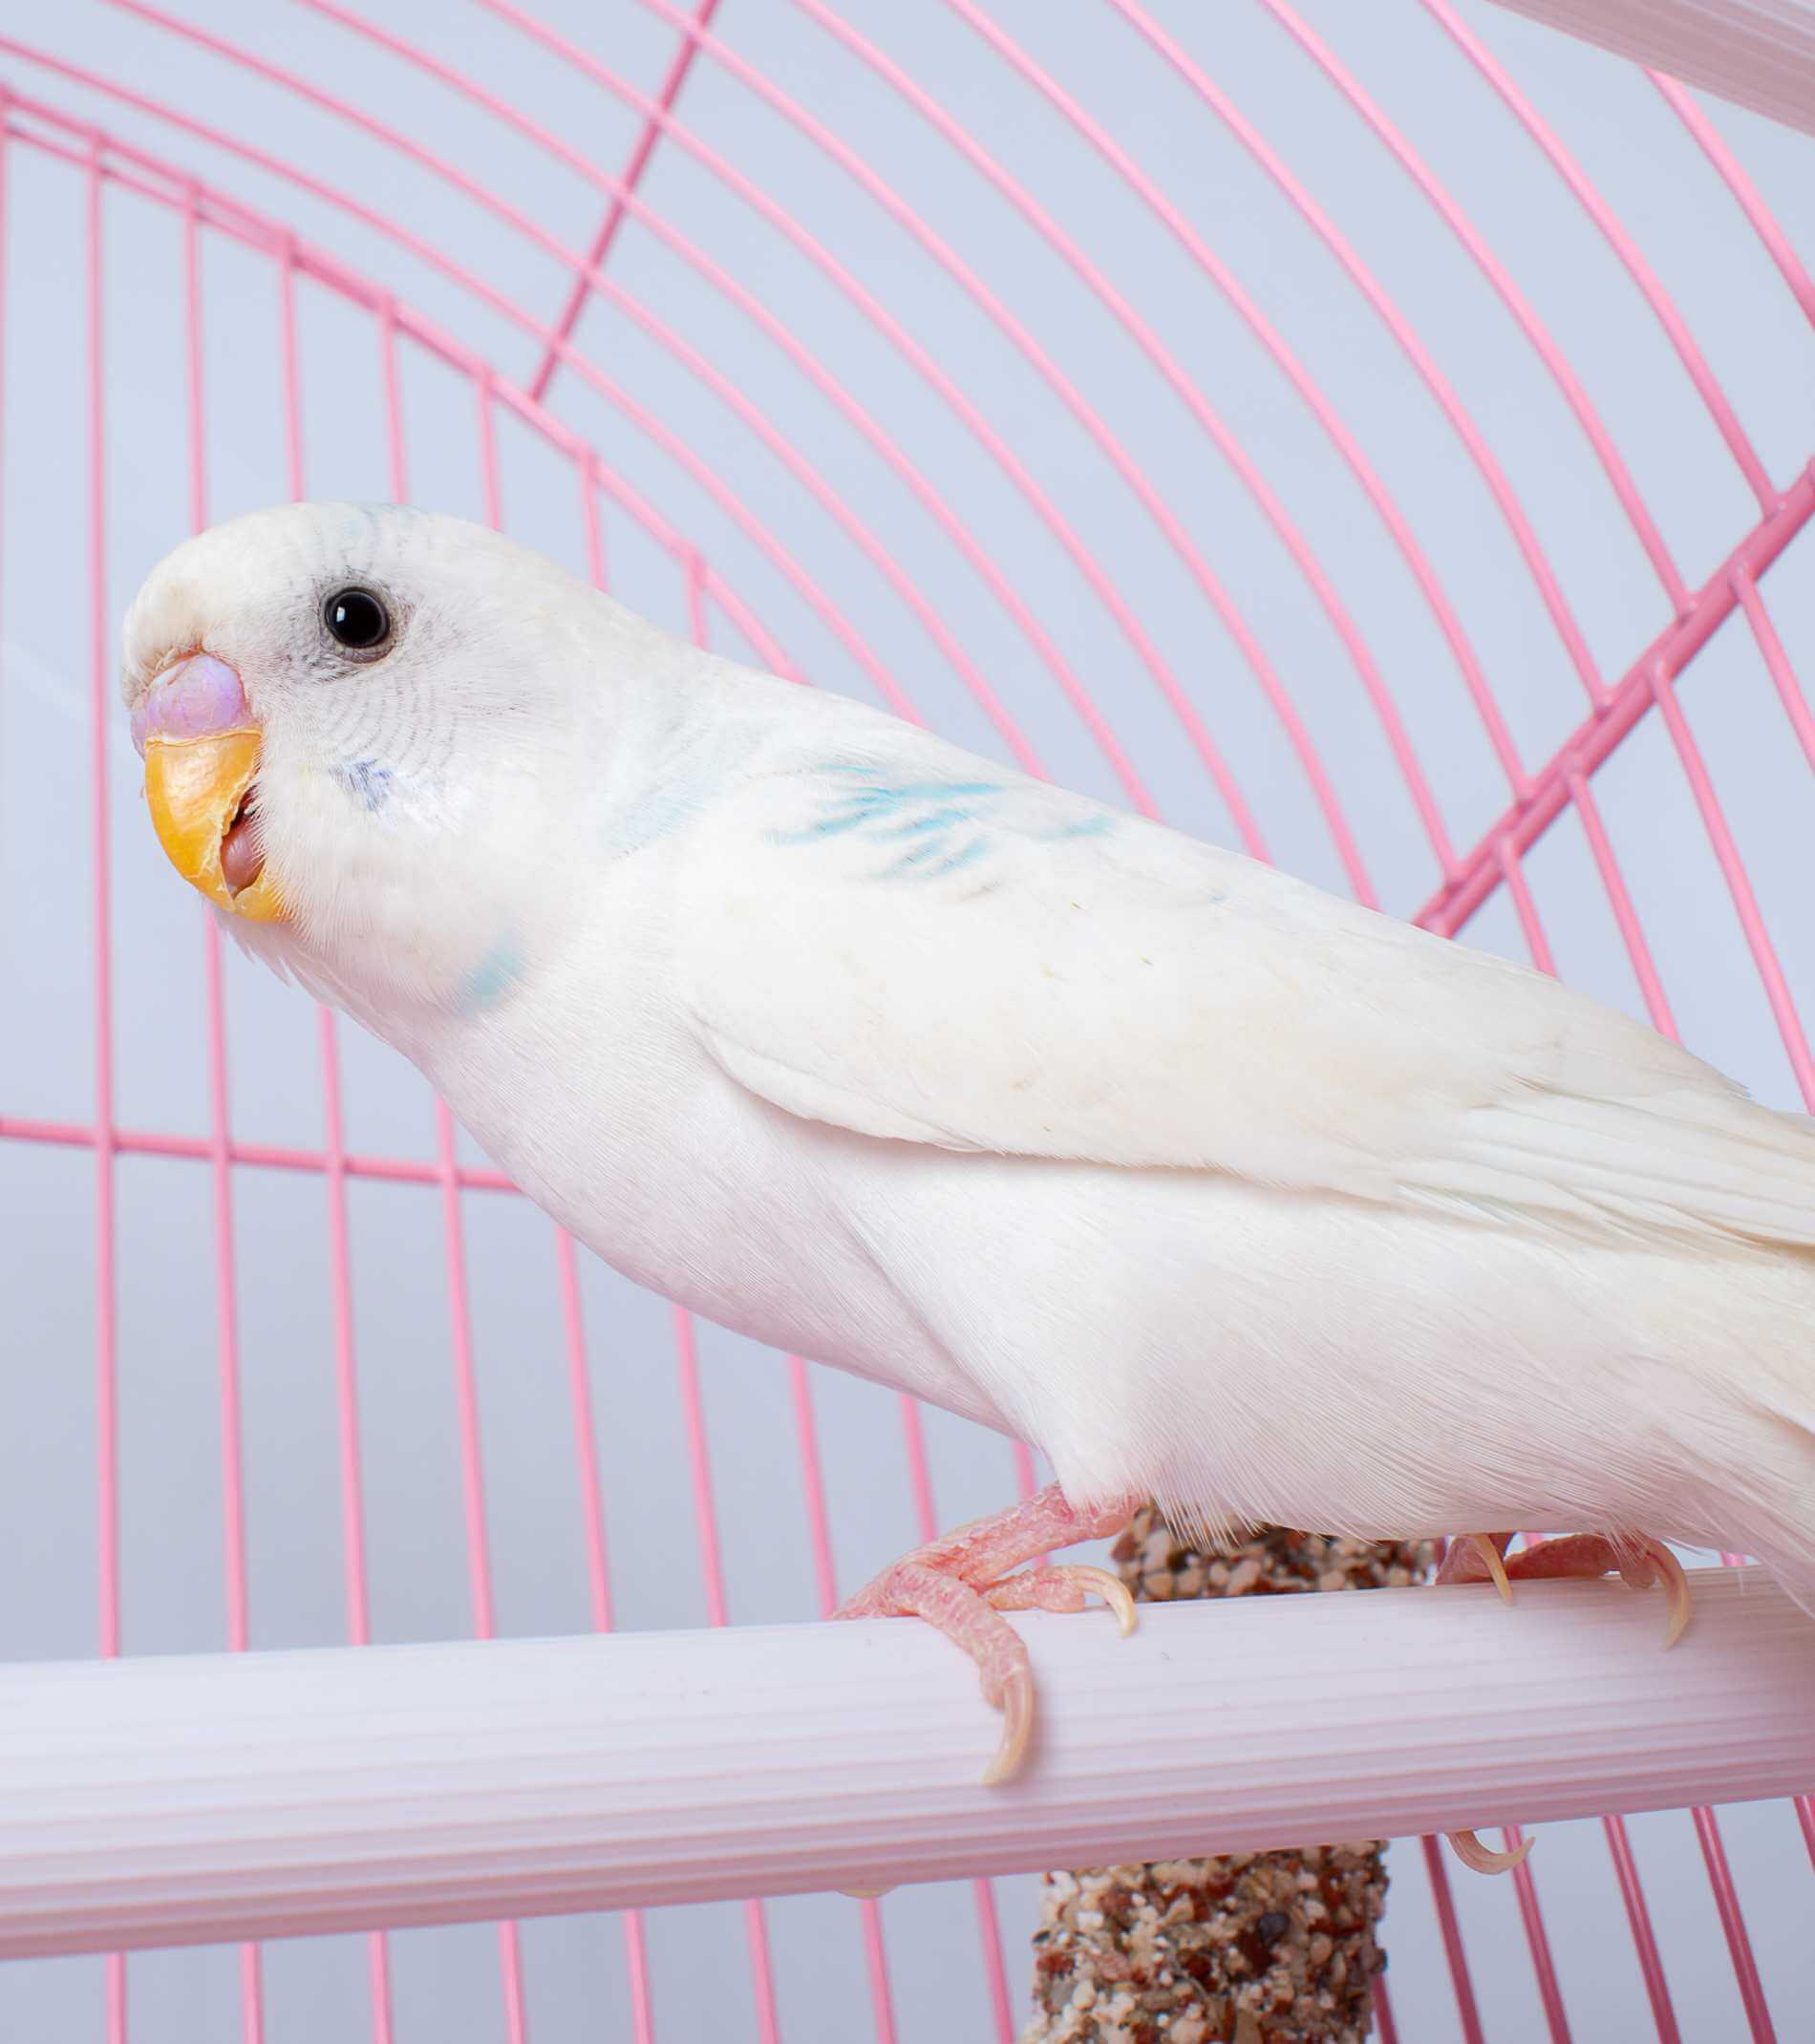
1094,986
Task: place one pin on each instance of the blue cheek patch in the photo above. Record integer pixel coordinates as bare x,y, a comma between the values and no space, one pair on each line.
495,976
367,783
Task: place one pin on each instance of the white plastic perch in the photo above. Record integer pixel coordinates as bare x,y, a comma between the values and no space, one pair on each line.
189,1800
1758,53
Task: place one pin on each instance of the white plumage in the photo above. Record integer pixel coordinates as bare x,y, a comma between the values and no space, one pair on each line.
1209,1183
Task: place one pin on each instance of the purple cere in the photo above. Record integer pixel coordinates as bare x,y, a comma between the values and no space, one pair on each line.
197,696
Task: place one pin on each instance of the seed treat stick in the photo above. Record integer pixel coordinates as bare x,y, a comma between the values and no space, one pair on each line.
1261,1948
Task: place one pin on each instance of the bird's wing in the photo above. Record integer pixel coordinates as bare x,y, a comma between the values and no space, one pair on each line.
880,932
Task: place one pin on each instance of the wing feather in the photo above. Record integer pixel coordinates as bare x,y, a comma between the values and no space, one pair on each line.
883,933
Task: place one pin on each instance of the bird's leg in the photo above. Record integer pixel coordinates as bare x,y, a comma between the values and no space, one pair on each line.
961,1583
1640,1561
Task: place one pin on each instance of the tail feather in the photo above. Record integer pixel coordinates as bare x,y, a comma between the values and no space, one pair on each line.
1713,1166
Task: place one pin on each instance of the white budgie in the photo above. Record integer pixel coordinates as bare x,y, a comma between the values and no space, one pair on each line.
1215,1187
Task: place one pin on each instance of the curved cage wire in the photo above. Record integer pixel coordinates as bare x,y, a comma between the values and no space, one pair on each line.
1376,437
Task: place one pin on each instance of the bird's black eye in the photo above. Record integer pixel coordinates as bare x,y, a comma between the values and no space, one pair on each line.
357,620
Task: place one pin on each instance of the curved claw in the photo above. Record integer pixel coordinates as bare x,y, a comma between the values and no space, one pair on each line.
1111,1589
1017,1726
1642,1563
1484,1546
868,1894
1467,1848
1678,1603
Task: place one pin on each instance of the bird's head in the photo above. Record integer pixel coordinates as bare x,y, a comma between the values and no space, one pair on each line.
355,722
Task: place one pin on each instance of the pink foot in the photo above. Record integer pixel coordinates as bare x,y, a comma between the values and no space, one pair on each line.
1640,1561
961,1583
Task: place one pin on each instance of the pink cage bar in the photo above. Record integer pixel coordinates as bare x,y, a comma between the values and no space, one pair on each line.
112,130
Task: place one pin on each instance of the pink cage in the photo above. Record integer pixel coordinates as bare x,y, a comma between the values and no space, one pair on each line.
1379,438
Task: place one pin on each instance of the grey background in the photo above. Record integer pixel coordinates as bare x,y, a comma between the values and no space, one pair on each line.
447,1983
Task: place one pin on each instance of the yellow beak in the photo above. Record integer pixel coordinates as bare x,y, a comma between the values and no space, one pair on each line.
195,787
